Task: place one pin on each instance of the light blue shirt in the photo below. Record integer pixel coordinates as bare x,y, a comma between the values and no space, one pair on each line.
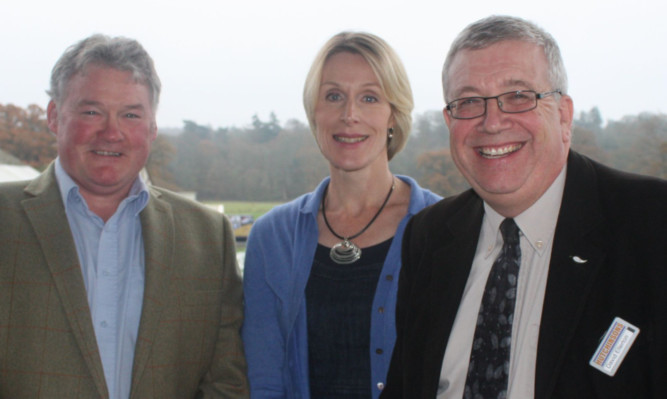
112,263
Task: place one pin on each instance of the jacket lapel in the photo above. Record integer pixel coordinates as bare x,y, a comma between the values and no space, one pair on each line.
451,266
577,256
157,226
46,214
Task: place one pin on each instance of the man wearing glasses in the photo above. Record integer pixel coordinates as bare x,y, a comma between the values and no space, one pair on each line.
546,278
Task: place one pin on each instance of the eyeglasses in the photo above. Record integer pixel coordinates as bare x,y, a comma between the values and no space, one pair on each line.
512,102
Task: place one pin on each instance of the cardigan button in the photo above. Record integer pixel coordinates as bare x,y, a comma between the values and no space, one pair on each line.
380,385
379,351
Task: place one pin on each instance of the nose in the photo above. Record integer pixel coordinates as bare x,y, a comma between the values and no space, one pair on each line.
494,120
112,130
350,113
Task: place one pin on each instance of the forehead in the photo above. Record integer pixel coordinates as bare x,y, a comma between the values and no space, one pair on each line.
106,83
98,72
507,65
347,66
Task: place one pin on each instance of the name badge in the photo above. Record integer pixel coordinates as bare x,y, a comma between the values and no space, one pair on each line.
614,346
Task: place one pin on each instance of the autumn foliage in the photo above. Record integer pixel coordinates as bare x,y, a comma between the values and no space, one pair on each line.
25,135
267,161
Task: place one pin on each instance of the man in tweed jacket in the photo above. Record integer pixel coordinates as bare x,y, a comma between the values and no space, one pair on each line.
110,288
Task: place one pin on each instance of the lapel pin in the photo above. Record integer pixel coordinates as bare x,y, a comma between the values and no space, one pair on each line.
578,259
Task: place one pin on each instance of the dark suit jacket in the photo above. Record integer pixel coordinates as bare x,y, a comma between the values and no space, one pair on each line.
617,221
188,344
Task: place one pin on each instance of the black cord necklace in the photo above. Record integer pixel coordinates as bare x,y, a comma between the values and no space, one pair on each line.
346,252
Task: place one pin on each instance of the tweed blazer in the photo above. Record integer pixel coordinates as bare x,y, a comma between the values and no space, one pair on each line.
609,259
188,344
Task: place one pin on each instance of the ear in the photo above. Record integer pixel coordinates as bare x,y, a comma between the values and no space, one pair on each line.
52,117
392,120
566,112
448,118
153,133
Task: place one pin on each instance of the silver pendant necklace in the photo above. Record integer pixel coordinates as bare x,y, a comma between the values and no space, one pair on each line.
346,252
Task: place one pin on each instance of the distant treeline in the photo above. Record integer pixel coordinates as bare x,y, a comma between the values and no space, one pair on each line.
267,161
270,161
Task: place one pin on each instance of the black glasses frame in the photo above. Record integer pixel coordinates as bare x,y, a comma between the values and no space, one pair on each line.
452,105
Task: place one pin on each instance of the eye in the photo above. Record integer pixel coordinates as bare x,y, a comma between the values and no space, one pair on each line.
130,115
333,96
469,102
89,112
519,97
369,99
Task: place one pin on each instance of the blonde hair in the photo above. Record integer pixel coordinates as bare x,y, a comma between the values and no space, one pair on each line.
387,67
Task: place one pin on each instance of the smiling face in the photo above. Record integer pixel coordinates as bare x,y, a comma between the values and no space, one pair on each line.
509,159
352,114
104,127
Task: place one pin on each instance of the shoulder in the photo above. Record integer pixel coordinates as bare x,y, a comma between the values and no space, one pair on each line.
178,201
15,206
44,183
621,193
286,210
641,185
448,218
277,227
448,207
184,211
283,218
419,197
628,208
12,191
44,187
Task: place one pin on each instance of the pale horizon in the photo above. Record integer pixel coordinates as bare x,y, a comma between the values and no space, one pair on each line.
222,63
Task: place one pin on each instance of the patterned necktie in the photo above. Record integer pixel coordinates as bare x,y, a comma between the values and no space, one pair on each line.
488,369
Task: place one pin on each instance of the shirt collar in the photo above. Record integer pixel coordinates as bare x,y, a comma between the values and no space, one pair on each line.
312,204
69,190
537,223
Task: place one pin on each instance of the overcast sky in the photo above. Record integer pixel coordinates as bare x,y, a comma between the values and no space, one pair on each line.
220,62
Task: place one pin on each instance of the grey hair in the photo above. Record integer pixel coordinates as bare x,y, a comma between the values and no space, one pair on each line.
115,52
498,28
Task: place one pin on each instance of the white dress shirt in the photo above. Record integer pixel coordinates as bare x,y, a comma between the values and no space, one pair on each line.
537,225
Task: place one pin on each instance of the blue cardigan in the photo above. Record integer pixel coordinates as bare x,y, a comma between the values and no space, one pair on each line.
279,255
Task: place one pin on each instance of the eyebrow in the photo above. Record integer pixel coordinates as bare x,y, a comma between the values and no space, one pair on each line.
88,102
511,82
139,107
370,84
518,82
94,103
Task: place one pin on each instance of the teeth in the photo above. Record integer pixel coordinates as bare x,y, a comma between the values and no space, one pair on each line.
350,140
108,153
496,152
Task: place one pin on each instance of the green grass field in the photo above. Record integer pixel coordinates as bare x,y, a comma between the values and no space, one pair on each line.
256,209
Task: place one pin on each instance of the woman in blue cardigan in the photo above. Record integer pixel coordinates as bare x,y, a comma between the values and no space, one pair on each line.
321,272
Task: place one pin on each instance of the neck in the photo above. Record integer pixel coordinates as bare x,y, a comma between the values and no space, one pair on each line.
353,192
